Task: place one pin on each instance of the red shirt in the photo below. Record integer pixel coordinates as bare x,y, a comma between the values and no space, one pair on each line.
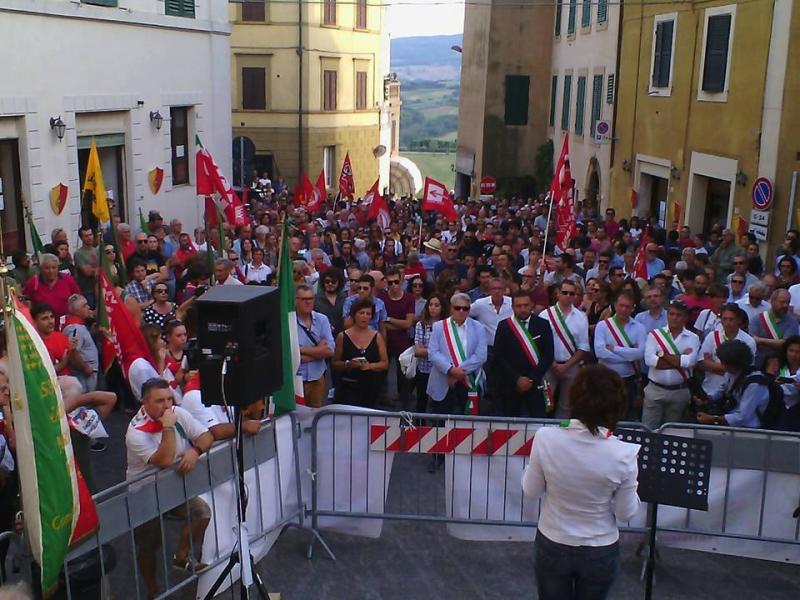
56,295
127,248
183,256
410,272
57,345
397,340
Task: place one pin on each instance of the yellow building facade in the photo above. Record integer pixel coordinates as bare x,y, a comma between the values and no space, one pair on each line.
308,87
706,106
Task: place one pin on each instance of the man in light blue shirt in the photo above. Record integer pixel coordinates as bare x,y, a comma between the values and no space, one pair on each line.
315,338
654,264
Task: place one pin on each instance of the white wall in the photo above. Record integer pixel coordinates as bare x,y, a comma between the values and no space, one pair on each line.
112,66
593,51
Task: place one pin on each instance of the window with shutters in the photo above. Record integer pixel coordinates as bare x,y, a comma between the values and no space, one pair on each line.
602,11
565,100
580,104
254,12
361,14
517,95
558,17
179,141
553,95
254,88
586,13
361,90
663,53
611,88
329,13
329,90
597,101
179,8
571,15
715,63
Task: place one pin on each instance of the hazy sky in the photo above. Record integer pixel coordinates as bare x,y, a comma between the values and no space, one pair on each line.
421,17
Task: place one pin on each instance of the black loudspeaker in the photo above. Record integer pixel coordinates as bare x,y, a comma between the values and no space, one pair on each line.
239,324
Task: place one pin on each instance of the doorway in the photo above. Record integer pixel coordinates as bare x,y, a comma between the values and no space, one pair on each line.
591,198
11,210
111,150
718,195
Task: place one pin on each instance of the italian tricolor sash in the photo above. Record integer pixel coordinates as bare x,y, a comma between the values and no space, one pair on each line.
618,332
526,340
664,339
719,338
770,325
562,331
458,355
785,372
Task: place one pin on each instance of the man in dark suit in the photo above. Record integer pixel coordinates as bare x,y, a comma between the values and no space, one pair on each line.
523,346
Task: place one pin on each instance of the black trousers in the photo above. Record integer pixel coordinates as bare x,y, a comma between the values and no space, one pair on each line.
531,403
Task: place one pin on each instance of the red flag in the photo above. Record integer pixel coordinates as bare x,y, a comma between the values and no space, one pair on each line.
304,193
561,194
124,339
435,197
378,209
347,187
210,180
211,215
318,194
88,522
640,262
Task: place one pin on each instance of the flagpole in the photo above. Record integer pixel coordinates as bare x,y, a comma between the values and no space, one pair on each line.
546,232
421,221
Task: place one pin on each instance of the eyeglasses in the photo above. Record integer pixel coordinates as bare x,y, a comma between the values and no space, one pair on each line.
141,241
160,291
110,251
737,280
563,293
353,280
393,281
603,262
306,298
329,282
738,262
461,308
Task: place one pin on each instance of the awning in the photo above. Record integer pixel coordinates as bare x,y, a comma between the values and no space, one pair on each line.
405,178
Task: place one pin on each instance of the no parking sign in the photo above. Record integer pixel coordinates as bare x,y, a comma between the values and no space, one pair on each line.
762,194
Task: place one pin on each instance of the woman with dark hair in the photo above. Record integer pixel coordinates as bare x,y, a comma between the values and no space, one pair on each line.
416,287
787,272
786,368
588,479
360,356
435,309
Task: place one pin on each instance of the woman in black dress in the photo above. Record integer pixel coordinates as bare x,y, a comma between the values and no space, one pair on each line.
360,357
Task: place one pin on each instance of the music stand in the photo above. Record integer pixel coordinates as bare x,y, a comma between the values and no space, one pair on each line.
674,471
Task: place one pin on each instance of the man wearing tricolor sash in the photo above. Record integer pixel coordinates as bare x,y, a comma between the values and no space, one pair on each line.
457,351
732,319
619,345
523,345
769,329
670,353
570,329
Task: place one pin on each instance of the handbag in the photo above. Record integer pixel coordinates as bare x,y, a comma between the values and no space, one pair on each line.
408,363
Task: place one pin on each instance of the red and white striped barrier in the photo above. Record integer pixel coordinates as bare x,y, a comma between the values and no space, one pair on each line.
451,440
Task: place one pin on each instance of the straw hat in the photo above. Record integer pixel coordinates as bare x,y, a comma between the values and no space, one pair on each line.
433,244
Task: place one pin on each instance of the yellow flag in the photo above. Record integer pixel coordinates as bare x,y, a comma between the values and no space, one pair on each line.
94,183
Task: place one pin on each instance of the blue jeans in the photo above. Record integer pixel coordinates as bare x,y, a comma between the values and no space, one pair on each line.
574,572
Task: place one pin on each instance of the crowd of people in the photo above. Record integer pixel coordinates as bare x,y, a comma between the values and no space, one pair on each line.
480,315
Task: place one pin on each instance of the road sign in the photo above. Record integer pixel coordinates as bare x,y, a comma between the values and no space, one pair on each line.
602,131
488,185
762,194
759,217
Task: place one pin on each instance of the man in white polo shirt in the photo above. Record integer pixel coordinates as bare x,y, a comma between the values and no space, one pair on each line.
570,343
159,435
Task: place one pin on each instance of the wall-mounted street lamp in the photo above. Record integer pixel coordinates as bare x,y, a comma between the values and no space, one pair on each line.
58,125
156,119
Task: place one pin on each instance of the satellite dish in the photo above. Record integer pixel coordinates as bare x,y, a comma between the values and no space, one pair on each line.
379,151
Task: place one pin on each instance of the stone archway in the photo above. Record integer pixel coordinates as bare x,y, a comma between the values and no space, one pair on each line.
591,193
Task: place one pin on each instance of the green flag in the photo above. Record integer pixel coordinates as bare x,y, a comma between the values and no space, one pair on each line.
291,392
36,241
142,223
48,480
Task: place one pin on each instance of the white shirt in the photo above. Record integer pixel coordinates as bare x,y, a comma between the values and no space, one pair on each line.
620,358
706,322
192,402
713,382
588,482
231,280
140,371
683,341
486,314
578,325
753,311
794,298
141,445
257,274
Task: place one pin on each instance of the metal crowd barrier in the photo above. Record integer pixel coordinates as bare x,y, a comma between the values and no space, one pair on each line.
372,466
273,505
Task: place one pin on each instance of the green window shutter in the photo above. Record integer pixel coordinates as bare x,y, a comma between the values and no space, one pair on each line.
565,103
553,94
716,60
558,17
662,54
610,89
586,13
573,7
517,96
179,8
580,103
100,2
597,105
602,11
